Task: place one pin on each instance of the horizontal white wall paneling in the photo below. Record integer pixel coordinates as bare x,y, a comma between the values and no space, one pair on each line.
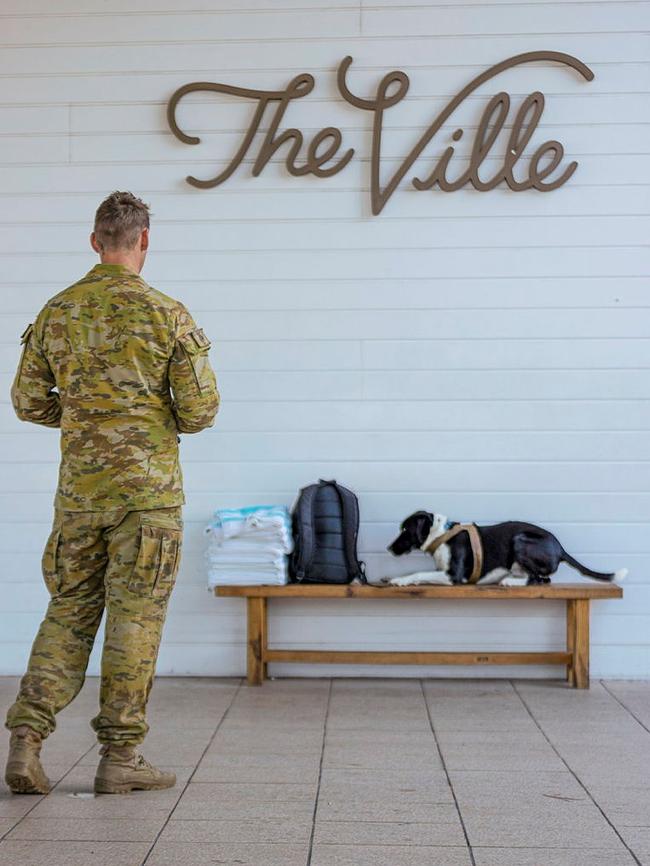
484,354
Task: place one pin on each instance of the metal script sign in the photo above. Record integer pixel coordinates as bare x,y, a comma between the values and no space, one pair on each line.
324,159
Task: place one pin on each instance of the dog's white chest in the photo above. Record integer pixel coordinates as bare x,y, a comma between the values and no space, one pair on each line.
442,557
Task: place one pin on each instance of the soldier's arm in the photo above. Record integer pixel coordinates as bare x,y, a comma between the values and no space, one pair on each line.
32,393
191,377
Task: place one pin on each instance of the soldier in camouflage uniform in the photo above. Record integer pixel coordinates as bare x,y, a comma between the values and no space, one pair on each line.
122,369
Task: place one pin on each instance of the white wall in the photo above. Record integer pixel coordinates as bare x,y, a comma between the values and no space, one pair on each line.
481,354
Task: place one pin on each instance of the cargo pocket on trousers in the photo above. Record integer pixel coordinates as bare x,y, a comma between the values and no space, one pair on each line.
49,563
157,561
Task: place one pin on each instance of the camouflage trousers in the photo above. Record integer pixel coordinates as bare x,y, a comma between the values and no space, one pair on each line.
119,560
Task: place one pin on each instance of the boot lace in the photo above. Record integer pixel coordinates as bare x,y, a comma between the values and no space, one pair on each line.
141,763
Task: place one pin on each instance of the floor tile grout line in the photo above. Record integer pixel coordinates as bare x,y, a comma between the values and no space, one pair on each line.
196,767
320,773
624,705
578,848
41,798
574,774
444,767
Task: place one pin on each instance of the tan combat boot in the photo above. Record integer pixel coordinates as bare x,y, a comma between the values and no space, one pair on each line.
122,770
24,773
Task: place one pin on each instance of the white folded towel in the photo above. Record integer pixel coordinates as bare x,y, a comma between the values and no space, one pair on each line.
249,545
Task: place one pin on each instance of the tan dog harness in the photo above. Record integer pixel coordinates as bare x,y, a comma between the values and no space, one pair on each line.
474,540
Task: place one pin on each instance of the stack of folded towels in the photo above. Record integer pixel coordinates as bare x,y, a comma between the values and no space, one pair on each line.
249,545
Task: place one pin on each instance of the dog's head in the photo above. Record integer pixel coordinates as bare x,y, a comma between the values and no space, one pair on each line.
416,529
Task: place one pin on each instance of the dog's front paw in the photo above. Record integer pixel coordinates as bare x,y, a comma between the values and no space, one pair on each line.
405,580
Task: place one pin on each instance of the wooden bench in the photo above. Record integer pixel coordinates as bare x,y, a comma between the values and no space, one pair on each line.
575,657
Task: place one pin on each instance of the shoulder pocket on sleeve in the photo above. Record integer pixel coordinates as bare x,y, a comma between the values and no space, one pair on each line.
195,346
24,341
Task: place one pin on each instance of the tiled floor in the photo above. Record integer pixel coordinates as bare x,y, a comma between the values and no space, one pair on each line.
354,773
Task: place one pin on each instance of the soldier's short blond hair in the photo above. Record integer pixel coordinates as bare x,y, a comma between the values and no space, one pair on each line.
119,220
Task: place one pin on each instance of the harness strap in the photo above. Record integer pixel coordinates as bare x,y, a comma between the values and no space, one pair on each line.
474,540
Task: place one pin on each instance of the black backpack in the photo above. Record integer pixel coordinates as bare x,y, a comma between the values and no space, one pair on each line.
325,524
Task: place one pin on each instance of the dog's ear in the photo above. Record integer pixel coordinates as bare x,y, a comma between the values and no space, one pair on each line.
417,526
413,531
415,518
423,523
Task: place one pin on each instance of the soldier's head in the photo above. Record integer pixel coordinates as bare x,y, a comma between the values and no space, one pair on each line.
121,231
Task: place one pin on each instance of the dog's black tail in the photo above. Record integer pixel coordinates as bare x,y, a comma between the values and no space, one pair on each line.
596,575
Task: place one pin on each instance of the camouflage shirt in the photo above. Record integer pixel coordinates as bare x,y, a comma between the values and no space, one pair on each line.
121,369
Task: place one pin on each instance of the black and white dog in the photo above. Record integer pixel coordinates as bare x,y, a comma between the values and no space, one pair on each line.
514,553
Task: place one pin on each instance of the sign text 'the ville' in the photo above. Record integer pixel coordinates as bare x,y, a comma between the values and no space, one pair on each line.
324,158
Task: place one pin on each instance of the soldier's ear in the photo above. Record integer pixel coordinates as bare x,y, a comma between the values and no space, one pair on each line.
144,240
94,244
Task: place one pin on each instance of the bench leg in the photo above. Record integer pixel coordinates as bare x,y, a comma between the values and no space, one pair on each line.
578,642
570,635
265,638
256,610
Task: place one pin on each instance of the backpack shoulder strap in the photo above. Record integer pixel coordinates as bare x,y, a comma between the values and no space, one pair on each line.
350,509
304,518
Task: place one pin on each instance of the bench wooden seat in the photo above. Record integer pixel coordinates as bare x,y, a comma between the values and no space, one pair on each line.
575,657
